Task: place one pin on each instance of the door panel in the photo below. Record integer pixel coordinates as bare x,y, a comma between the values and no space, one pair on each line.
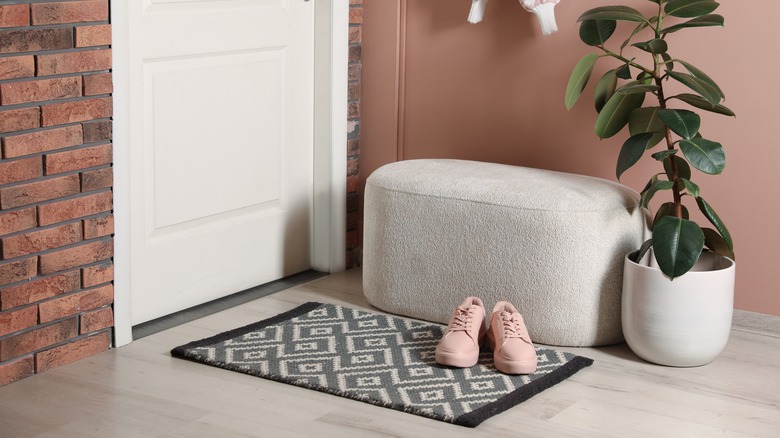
221,161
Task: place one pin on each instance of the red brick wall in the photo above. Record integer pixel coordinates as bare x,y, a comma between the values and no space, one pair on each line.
353,135
56,223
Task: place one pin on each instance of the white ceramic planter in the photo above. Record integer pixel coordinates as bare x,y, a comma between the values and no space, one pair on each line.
685,322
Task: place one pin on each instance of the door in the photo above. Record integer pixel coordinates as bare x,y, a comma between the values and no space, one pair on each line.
221,115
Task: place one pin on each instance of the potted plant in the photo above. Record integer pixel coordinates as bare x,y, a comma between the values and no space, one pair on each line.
678,287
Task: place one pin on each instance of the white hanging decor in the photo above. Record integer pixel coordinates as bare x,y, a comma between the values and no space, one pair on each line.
544,10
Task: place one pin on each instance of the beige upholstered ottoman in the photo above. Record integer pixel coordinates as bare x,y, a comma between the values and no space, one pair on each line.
551,243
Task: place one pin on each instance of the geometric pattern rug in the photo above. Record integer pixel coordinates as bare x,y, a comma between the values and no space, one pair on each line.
378,359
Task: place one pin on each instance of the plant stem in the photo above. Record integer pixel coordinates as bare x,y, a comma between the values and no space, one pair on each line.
628,61
675,176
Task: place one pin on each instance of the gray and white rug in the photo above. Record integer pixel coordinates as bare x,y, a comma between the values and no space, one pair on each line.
379,359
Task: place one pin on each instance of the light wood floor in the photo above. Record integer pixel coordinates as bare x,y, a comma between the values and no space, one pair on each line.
141,391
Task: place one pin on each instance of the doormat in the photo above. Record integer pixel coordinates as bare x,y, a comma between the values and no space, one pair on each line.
378,359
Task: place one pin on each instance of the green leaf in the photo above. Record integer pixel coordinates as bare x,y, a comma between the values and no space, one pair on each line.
714,219
716,243
638,255
597,32
705,21
655,46
667,209
623,72
705,155
668,61
655,186
677,245
637,87
682,122
683,170
622,13
646,120
701,103
579,78
691,187
701,87
664,154
690,8
616,112
632,151
605,88
701,75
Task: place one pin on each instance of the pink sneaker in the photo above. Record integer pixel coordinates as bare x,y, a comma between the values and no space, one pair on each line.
513,352
459,346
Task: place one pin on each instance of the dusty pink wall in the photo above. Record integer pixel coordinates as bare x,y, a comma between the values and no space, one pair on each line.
436,86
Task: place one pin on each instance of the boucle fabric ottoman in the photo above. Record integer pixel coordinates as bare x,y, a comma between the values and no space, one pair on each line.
551,243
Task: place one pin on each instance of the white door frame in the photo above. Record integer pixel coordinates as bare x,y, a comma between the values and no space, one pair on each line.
331,25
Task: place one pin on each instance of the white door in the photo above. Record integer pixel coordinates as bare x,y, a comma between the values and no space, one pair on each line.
221,126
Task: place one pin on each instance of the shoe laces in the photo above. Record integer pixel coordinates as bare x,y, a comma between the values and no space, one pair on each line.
463,319
512,325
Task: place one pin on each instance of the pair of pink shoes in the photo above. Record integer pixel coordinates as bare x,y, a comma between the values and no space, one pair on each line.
507,337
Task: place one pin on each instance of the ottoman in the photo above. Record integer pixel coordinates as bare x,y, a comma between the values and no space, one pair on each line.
551,243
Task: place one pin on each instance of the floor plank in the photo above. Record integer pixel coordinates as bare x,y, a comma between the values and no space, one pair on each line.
141,391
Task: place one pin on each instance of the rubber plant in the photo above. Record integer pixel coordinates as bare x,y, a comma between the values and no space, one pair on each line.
666,127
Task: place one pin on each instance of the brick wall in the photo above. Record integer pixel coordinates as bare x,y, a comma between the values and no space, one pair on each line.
56,224
353,135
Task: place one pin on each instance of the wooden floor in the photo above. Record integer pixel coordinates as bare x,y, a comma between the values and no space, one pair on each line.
141,391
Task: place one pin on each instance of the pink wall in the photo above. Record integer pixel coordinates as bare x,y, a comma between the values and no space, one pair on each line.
437,86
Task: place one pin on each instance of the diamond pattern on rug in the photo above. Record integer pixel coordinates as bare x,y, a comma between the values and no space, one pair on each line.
378,359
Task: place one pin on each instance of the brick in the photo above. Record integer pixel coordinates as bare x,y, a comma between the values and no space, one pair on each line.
97,179
39,289
352,183
353,147
352,167
38,339
98,227
69,12
76,256
97,274
18,270
14,15
16,370
354,71
355,53
18,220
79,111
20,170
355,35
43,89
36,241
31,193
353,91
74,62
98,320
97,131
42,141
76,303
352,239
17,120
74,208
72,351
33,40
355,15
17,67
87,36
353,110
352,220
76,159
100,83
18,320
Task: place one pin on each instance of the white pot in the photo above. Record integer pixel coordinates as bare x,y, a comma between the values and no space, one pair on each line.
685,322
